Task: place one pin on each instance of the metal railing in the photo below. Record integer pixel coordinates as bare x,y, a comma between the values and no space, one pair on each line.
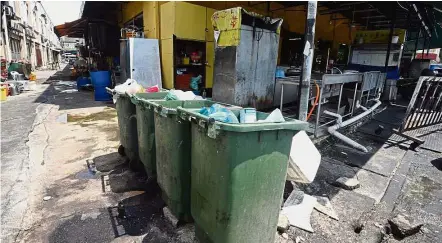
425,107
370,83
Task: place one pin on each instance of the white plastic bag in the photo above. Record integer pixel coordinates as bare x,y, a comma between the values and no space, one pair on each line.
131,86
181,95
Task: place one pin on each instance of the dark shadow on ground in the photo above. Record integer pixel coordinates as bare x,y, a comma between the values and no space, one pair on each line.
63,92
135,215
342,160
62,75
437,163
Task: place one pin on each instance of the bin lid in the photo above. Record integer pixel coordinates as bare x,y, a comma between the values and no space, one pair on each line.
289,124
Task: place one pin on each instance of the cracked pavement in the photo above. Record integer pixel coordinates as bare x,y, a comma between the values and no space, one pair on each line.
17,121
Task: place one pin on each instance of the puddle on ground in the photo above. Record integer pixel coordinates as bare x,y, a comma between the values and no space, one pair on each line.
86,175
104,115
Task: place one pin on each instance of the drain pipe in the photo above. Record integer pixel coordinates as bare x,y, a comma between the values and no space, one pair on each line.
340,124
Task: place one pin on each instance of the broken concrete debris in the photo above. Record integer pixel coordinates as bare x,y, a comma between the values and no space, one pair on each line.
299,239
402,227
324,206
299,215
295,198
170,217
347,183
283,223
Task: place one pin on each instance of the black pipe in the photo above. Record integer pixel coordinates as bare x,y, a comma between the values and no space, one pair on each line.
415,45
390,36
429,45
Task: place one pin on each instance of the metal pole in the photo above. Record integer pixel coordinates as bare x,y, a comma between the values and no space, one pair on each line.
390,36
423,47
309,47
429,45
417,42
5,26
282,96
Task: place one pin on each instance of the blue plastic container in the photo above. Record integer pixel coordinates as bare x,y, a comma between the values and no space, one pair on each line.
82,81
101,94
101,80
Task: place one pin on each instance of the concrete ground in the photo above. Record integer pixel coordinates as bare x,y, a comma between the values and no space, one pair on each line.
63,180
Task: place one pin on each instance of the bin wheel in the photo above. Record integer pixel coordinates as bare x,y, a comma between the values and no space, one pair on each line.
121,150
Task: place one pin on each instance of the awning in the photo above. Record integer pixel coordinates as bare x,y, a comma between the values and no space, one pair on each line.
72,29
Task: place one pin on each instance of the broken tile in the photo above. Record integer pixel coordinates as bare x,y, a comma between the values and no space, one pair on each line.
299,215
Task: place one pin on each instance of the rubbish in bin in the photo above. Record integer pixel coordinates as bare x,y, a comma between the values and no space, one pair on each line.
131,86
176,94
219,113
152,89
247,115
275,116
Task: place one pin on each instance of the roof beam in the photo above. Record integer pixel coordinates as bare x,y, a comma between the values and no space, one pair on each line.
422,20
374,17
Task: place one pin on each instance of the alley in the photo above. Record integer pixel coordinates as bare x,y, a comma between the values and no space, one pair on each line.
17,121
221,122
66,182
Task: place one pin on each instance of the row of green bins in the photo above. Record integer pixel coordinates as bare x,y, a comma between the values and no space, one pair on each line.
127,123
172,139
238,173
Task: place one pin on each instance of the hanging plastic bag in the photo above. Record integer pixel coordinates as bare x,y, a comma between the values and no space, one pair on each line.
194,82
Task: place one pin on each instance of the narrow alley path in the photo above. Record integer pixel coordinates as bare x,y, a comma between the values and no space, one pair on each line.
17,121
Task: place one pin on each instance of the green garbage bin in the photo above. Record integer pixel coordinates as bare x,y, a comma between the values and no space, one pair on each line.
237,177
127,123
172,140
146,130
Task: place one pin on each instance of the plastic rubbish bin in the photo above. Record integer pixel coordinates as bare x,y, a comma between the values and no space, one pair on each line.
238,176
127,123
144,130
172,144
101,80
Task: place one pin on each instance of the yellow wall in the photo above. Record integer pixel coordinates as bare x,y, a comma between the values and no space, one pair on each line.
151,16
293,21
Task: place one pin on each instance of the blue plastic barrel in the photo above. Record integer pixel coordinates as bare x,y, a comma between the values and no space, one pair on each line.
101,80
82,81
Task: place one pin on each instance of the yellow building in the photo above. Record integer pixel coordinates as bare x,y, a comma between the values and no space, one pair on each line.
172,22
